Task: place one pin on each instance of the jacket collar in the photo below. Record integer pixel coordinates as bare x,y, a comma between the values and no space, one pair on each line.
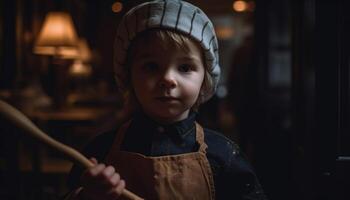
179,129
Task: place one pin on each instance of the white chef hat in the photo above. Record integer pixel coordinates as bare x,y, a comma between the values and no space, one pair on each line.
176,15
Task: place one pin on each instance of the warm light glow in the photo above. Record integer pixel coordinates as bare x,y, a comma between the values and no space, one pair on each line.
79,68
117,7
57,32
224,32
82,51
240,6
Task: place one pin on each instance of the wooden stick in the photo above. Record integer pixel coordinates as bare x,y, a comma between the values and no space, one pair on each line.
24,123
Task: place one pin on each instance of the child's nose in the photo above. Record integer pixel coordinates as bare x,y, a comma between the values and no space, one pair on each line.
168,80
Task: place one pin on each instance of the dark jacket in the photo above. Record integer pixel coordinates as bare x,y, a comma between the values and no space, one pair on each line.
234,177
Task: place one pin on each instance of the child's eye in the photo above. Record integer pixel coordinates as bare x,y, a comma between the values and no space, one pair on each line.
185,68
150,66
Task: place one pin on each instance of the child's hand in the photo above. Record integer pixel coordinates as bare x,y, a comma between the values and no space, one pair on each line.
101,182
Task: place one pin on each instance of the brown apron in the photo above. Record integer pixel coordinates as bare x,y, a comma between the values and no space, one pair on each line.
182,176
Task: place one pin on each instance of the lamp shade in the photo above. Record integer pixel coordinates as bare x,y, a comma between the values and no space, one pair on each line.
57,32
81,52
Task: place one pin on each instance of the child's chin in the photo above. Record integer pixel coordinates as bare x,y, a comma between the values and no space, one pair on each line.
168,116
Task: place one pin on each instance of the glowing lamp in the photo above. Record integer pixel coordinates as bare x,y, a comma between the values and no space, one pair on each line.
57,33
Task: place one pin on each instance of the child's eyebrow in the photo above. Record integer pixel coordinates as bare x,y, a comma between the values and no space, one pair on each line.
190,58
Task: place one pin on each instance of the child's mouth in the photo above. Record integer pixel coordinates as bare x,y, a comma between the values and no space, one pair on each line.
167,99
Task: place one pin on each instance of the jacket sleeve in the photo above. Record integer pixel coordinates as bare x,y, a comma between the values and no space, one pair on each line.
97,148
237,178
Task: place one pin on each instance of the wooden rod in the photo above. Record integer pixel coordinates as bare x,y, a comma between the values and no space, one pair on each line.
21,121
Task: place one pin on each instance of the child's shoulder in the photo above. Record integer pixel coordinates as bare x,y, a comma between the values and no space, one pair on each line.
99,145
104,137
226,157
225,153
215,139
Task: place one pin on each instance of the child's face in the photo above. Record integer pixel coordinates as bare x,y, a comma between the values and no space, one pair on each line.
166,80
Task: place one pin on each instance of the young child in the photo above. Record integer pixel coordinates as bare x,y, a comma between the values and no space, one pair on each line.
166,63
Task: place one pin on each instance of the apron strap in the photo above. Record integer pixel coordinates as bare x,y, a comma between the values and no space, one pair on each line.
200,138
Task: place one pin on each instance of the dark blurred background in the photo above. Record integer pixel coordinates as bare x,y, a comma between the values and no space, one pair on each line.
283,96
